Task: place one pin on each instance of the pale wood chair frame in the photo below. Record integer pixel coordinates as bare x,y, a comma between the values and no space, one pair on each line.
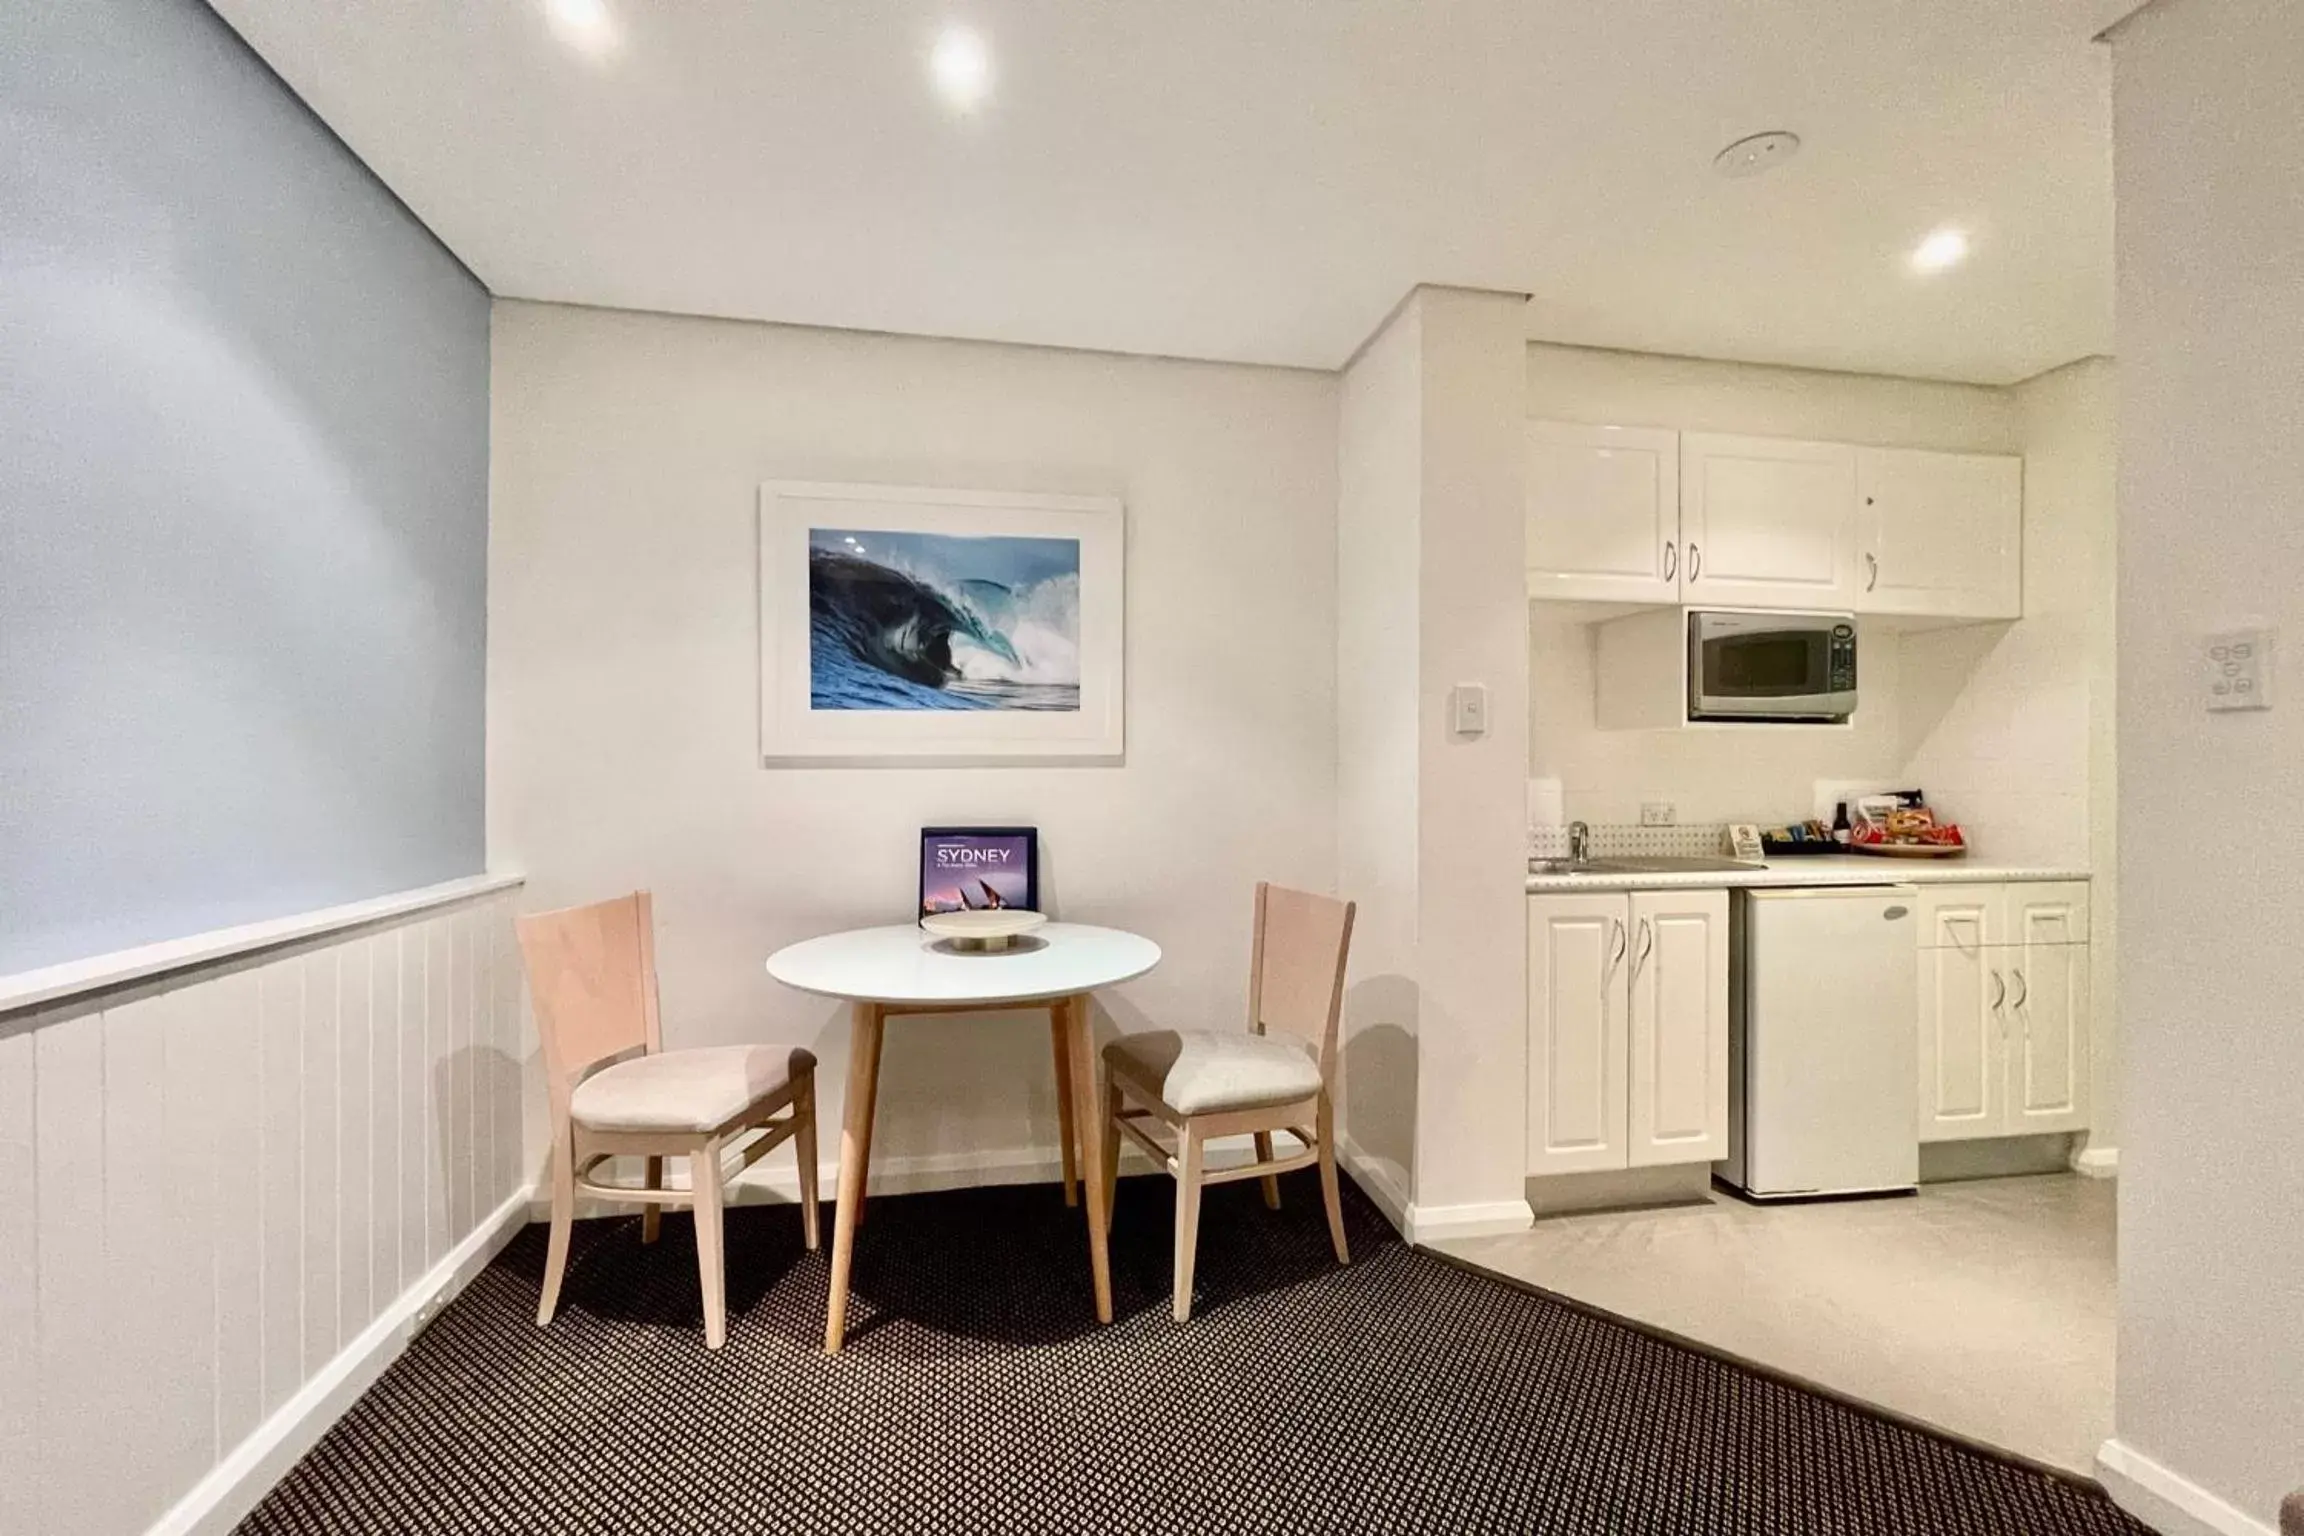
788,1114
1311,1120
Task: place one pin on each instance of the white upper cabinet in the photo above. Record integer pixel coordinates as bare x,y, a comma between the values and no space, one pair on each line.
1940,533
1603,513
1767,522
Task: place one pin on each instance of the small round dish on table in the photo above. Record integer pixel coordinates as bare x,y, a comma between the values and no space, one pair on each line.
885,972
994,929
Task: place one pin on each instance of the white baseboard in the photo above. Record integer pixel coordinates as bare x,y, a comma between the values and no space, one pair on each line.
1437,1223
2097,1162
2166,1501
1428,1223
238,1483
1379,1178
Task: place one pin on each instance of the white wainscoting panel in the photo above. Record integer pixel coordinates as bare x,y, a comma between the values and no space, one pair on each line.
215,1182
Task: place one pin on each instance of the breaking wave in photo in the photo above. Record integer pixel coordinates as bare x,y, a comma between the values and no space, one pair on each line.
884,638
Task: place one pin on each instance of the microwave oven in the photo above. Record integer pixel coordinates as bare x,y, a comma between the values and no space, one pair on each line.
1796,667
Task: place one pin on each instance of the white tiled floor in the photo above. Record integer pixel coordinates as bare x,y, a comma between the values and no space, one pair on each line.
1983,1307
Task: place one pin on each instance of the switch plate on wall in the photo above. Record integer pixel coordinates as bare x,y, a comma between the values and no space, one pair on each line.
2237,669
1658,813
1468,709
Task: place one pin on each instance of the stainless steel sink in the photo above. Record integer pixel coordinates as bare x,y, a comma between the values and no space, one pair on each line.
1636,866
1581,867
1713,865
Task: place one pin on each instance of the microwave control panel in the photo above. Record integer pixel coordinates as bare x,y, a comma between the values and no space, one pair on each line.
1842,662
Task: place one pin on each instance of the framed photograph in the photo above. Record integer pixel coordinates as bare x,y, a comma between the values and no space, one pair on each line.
910,625
966,869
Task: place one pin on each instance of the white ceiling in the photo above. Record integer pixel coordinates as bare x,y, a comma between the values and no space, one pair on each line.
1261,179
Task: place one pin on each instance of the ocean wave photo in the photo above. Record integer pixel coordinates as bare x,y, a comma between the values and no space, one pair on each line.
925,621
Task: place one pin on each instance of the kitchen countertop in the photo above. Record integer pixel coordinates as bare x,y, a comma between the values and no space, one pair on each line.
1825,869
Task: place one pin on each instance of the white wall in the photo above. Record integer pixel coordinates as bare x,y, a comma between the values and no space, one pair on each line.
1430,556
1472,966
1378,561
211,1185
623,666
2207,120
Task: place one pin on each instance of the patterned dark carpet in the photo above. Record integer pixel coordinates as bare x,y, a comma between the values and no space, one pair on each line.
1403,1394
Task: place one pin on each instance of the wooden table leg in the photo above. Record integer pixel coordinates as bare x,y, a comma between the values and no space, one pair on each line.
865,1028
1065,1118
1087,1114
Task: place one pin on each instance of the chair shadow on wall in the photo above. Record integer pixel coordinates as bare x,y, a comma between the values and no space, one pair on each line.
1380,1072
471,1087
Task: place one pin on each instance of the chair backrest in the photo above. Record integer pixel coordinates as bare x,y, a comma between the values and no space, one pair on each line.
592,979
1296,980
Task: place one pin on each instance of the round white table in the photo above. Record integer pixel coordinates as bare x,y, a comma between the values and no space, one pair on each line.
885,972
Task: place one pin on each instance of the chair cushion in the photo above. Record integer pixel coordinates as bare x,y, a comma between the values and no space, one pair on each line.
1198,1072
692,1090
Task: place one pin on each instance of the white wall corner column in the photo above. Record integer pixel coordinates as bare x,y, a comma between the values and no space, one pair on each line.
1432,546
2209,1419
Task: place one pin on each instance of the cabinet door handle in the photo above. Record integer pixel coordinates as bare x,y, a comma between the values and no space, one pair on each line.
2024,996
1999,991
1647,947
1871,571
1671,560
1616,956
1695,561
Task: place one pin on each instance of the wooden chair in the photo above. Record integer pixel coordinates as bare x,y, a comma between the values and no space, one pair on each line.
616,1091
1281,1076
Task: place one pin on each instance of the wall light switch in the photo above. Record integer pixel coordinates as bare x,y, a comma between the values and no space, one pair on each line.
1468,709
2237,669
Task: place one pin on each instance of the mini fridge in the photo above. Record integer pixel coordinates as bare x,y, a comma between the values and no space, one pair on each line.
1823,1043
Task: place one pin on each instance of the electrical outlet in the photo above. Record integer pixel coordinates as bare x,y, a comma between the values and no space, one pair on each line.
1658,813
2239,669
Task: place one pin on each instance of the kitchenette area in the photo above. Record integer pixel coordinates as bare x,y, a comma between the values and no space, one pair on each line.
1818,904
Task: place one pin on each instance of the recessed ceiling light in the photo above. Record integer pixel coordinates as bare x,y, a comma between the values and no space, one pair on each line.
1944,248
583,24
1757,154
962,67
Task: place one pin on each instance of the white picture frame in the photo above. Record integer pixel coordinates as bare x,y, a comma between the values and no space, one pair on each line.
919,602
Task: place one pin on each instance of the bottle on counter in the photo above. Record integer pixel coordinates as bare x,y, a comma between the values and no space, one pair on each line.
1842,833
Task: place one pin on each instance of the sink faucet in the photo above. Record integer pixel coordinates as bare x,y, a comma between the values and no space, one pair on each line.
1579,843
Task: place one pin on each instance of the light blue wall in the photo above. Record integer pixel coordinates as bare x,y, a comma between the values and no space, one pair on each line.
243,498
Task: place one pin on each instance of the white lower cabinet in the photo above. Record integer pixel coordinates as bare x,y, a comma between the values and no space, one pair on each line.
1577,1019
1963,1070
2004,1026
2048,1066
1628,1030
